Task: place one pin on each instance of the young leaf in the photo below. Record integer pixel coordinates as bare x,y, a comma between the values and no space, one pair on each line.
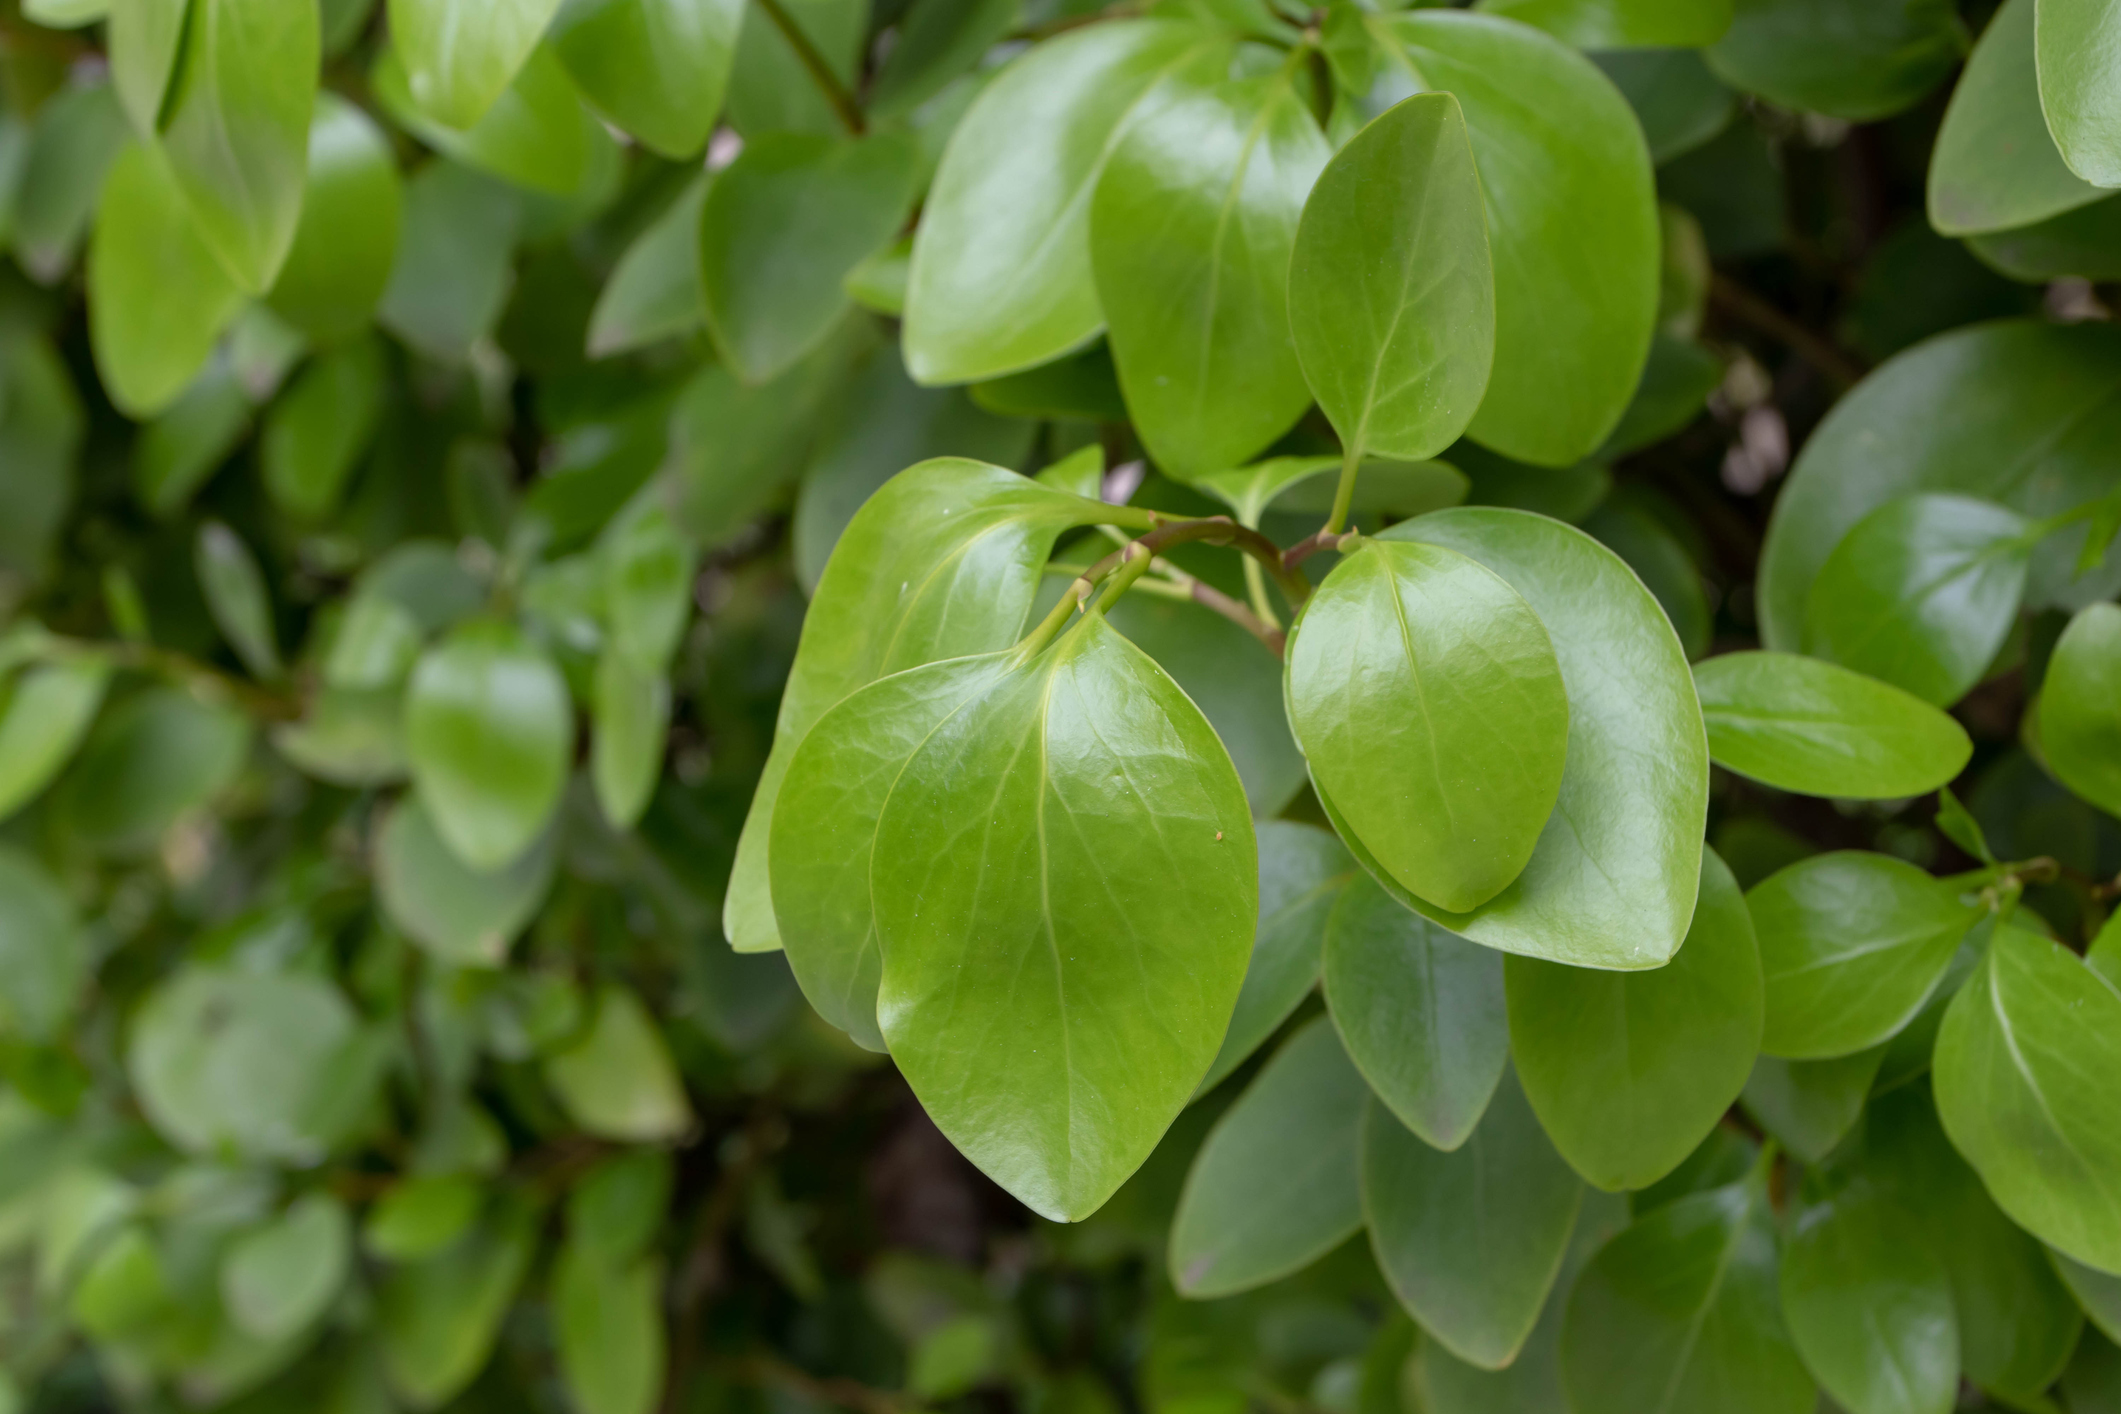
347,239
47,714
279,1277
1629,1071
1851,944
461,55
632,716
1621,24
657,68
1097,896
782,226
1470,1240
654,291
1811,1105
1799,724
1277,1185
490,731
1921,593
1855,59
236,595
1191,229
2020,1076
1620,893
2080,707
617,1082
1001,275
437,1319
2080,78
464,917
1421,1012
320,427
609,1323
1869,1307
1392,298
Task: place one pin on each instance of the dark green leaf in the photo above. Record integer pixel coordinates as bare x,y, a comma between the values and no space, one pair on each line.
609,1319
2085,242
770,89
1622,24
1677,100
77,134
654,291
44,955
1802,725
150,759
279,1277
181,449
2080,707
2099,1293
347,239
1810,1105
1854,59
1869,1307
437,1319
460,915
1661,563
236,594
320,427
452,273
938,40
657,68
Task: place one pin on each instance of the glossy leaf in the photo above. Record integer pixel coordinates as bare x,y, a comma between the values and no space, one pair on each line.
632,716
537,134
278,1278
1191,228
1628,1072
320,427
1809,1105
1851,945
617,1082
1995,166
937,41
654,291
145,38
48,712
1278,1183
1855,59
347,238
462,916
1803,725
1420,1011
1470,1240
1921,594
646,567
2080,76
460,55
657,68
2019,1077
2080,707
1144,851
1870,1308
1620,895
490,731
437,1320
1001,276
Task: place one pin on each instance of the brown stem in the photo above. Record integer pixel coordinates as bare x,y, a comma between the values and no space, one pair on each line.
1215,530
1310,545
828,83
1209,597
1734,299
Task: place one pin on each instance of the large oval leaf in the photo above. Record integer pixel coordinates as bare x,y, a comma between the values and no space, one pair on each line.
48,711
1629,1071
2080,707
1472,1240
1799,724
347,238
1426,696
1277,1185
1392,297
2024,1074
1421,1012
1870,1307
2080,84
1059,969
657,68
1854,59
461,55
1001,276
1612,880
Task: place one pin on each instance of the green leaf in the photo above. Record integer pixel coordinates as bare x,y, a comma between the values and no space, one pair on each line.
1621,24
631,719
609,1322
1082,387
616,1211
781,228
461,55
1278,1184
1681,1313
462,916
1391,293
236,594
44,955
423,1216
657,68
1799,724
1302,870
771,90
377,642
1921,593
1620,893
537,134
347,239
145,39
235,128
2085,243
2092,1383
2099,1293
490,732
1572,224
1869,1307
1664,566
452,273
1994,165
181,449
617,1082
1855,59
2080,707
967,541
654,291
76,137
1851,944
2022,1070
321,426
647,568
1679,103
48,711
1305,485
1629,1071
1001,276
937,41
1810,1105
279,1277
1116,959
1191,229
1471,1240
1429,703
158,298
1421,1012
437,1320
149,760
2080,76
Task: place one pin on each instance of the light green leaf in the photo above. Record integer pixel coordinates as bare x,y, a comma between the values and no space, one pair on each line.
44,956
1392,299
1994,165
1799,724
377,642
2079,48
1851,944
1429,703
347,239
420,1217
279,1277
2080,707
319,428
1811,1105
1191,228
460,55
1001,276
452,273
2099,1293
437,1320
1421,1012
65,14
646,567
657,68
631,718
1613,878
182,448
1629,1071
619,1207
1621,24
2022,1068
48,711
1869,1307
1471,1240
781,228
151,758
349,737
654,291
236,595
462,916
608,1318
1277,1185
537,134
1855,59
158,298
1116,959
145,38
490,732
617,1082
